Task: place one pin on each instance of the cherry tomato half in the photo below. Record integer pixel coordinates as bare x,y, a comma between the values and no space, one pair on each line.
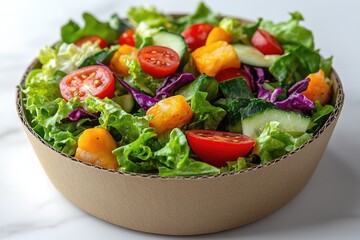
230,73
95,80
195,35
91,38
217,148
266,43
127,37
158,61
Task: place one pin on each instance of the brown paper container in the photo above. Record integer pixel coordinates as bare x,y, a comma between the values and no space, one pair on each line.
180,205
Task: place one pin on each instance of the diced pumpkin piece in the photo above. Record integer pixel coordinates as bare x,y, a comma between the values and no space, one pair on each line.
212,58
169,113
118,61
218,34
318,89
95,146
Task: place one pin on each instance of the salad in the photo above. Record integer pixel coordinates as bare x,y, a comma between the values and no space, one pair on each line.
179,96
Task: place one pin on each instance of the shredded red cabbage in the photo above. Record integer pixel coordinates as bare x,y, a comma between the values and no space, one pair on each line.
144,101
171,83
295,101
79,113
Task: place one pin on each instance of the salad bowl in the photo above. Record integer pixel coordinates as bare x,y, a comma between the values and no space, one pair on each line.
182,205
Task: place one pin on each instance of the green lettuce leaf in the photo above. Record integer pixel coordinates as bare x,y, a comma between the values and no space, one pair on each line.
295,66
144,35
202,14
66,58
149,15
206,116
290,32
45,110
103,56
141,80
203,83
326,65
137,156
71,31
174,157
167,156
235,166
239,31
319,116
112,116
273,143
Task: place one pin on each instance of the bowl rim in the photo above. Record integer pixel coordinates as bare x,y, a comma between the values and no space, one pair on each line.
338,100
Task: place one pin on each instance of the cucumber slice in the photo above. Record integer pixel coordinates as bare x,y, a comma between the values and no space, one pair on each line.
171,40
259,112
125,101
291,122
251,56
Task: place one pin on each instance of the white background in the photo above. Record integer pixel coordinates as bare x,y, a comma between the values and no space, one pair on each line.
31,208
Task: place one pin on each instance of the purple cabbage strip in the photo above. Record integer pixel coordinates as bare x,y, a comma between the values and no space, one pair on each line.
270,96
171,83
79,113
300,86
247,70
295,100
144,101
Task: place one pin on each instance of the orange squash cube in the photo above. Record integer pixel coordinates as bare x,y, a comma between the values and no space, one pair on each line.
212,58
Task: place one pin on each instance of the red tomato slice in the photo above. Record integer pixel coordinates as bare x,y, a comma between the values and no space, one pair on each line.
91,38
127,37
95,80
230,73
195,35
217,148
158,61
266,43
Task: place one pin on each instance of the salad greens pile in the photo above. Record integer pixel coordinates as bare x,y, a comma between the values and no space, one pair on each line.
256,104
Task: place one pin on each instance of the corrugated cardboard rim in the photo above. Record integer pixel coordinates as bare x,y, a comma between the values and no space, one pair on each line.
338,100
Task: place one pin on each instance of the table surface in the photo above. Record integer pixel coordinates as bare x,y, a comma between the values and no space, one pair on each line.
30,206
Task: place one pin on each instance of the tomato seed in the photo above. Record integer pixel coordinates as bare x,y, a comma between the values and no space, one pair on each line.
92,75
97,83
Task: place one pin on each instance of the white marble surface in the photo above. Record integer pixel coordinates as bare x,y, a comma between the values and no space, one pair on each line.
31,208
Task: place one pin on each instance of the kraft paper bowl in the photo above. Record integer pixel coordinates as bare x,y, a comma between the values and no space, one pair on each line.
183,205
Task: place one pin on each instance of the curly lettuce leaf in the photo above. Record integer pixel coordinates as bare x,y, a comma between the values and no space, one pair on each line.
306,61
139,79
45,110
174,157
71,31
144,35
290,32
235,166
319,116
112,116
202,14
167,156
206,116
137,156
66,58
149,15
273,143
239,31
